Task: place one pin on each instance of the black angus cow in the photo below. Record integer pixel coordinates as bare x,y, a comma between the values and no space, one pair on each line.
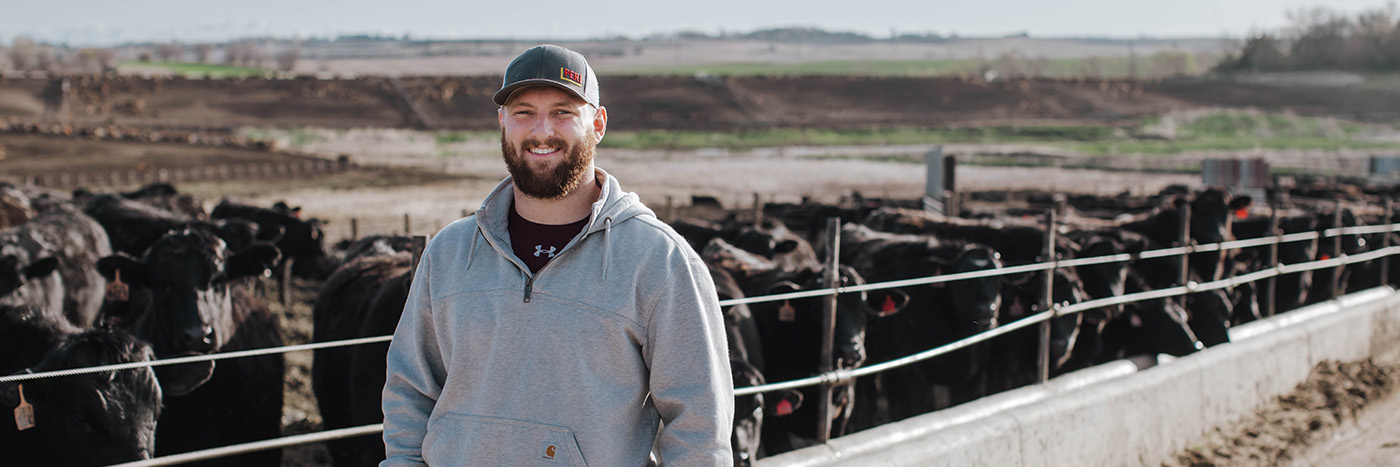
769,238
364,297
1290,290
1327,248
95,419
133,225
790,335
1212,211
301,242
165,196
935,315
1018,242
48,263
746,364
187,295
1156,326
1012,359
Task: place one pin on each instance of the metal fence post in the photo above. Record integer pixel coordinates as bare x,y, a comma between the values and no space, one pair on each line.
406,229
354,229
1336,250
1047,300
1185,241
419,243
1272,260
1385,243
833,279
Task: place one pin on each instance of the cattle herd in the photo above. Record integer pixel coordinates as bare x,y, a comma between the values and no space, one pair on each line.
89,279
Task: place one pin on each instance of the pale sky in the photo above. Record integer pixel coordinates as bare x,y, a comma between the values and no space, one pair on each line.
107,22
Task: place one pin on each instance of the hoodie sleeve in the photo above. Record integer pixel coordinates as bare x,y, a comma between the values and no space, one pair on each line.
415,375
687,354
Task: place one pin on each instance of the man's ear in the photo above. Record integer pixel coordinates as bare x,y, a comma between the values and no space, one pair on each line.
600,123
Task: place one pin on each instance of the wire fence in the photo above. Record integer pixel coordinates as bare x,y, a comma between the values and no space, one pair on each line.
834,377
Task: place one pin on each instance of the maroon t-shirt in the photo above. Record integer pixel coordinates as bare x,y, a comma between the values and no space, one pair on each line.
535,243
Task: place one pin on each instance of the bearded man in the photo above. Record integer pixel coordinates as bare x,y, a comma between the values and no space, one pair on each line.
563,324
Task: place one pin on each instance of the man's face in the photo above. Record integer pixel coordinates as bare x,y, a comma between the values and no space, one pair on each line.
548,138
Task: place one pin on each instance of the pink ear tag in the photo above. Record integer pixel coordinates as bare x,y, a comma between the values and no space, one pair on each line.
24,413
787,313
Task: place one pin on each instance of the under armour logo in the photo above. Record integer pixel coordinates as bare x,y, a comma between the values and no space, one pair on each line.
539,250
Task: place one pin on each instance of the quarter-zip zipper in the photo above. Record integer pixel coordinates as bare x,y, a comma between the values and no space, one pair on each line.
529,286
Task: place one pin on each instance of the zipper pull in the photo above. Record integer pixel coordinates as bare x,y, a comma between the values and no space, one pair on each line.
529,285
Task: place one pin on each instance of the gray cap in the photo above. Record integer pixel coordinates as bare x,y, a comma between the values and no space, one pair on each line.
550,65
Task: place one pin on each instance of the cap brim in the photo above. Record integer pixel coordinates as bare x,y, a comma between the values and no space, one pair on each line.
504,94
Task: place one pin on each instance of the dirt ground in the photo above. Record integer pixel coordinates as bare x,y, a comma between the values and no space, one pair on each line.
1343,414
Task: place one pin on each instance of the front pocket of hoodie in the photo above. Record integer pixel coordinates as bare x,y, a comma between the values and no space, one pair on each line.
469,440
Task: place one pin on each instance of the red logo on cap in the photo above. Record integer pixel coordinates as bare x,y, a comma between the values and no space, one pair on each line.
571,75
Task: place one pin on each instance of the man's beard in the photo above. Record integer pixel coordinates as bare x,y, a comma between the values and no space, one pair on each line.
556,183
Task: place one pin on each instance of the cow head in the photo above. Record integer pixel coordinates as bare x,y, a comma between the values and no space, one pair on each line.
1209,316
180,298
96,419
975,303
1212,211
16,271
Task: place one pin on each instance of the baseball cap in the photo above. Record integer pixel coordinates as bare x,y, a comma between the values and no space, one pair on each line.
550,65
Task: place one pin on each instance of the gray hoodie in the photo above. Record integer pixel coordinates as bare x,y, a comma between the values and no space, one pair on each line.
574,365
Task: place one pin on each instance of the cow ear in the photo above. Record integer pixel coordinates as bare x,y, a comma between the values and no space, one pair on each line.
270,233
9,396
886,302
1241,202
932,266
785,404
133,270
783,287
785,246
42,267
256,260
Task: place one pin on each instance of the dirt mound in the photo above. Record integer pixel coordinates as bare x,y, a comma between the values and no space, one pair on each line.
1284,429
658,102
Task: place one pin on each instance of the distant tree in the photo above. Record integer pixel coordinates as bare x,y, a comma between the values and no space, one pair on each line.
1321,38
1173,63
86,61
202,51
1093,67
107,59
1373,41
23,53
1260,53
1010,65
45,60
287,59
171,52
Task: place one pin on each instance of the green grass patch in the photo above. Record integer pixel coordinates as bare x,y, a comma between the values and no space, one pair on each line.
198,70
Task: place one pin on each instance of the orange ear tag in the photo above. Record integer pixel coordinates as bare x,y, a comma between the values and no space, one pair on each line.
787,313
888,306
117,291
24,413
1242,213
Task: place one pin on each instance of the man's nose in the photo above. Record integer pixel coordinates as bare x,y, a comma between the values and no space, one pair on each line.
540,127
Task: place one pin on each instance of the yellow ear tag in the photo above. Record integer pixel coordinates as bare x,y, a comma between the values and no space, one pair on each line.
24,413
117,291
787,313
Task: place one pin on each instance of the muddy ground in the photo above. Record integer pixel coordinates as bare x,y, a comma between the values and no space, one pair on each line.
1321,411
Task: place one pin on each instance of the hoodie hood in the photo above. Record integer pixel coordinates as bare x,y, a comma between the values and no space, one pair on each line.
613,207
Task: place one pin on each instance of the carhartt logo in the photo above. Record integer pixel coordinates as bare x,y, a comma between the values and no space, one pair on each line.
539,250
549,452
